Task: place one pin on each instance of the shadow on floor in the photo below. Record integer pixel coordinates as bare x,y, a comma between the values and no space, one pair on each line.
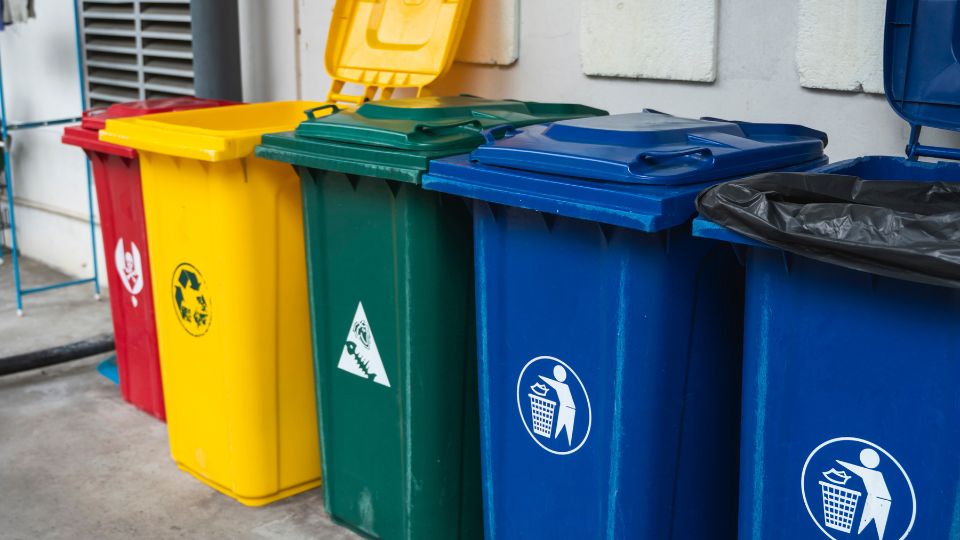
76,461
50,318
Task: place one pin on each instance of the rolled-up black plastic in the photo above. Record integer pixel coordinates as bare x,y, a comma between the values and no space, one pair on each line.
56,355
901,229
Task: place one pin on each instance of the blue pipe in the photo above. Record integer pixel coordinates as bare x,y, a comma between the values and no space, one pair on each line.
43,123
83,105
8,172
61,285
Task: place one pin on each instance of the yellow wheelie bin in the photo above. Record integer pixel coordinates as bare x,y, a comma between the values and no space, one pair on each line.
227,255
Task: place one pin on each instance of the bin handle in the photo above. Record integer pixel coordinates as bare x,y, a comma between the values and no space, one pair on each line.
654,157
433,129
502,131
312,112
95,112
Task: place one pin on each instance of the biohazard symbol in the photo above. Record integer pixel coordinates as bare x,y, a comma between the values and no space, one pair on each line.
360,355
129,268
190,299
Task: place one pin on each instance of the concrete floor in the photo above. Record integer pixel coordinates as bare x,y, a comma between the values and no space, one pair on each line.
77,462
49,318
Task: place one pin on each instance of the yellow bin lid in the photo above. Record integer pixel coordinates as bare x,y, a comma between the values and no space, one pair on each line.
218,134
388,44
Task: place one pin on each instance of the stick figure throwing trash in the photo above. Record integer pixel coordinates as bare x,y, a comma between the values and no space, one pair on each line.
878,501
848,497
549,394
567,412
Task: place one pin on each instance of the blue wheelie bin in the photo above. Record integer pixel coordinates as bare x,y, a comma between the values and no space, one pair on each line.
608,337
851,413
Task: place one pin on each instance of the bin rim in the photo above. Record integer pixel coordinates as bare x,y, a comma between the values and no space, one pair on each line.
645,208
898,229
397,139
282,147
211,134
95,118
89,141
450,123
86,134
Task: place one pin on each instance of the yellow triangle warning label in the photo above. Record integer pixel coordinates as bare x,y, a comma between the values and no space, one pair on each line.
360,355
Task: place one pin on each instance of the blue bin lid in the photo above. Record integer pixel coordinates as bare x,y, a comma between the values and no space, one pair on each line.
642,171
651,148
921,71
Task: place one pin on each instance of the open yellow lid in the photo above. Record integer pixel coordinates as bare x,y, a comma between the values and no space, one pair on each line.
379,44
388,44
217,134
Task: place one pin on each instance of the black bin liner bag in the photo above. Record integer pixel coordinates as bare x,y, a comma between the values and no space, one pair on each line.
901,229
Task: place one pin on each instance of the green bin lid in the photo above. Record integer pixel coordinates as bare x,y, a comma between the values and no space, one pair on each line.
396,139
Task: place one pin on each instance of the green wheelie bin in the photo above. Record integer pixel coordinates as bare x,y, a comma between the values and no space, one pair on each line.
390,271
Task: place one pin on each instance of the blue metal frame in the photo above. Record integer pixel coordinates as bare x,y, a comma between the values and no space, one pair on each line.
5,130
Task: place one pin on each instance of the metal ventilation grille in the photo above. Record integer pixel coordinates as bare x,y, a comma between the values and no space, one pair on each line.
136,50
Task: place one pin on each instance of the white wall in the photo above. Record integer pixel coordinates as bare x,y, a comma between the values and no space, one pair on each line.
756,79
757,75
314,20
41,82
268,48
50,183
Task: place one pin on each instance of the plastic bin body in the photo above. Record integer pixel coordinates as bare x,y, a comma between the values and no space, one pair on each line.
592,279
116,173
649,323
229,229
391,290
226,231
833,354
400,461
852,372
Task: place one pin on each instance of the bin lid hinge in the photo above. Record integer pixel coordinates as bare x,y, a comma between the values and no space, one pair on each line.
370,93
915,150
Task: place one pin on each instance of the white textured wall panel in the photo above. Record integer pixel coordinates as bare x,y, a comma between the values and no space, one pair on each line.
649,39
492,35
840,44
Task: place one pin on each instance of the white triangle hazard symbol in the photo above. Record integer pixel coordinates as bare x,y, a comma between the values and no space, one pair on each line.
360,355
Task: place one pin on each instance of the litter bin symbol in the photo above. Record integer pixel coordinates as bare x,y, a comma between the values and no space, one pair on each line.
541,410
839,506
869,496
839,503
554,405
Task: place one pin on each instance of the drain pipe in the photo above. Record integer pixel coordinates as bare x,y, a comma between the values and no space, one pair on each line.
56,355
215,27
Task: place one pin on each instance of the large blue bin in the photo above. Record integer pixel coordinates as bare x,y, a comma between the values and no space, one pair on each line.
608,336
851,408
